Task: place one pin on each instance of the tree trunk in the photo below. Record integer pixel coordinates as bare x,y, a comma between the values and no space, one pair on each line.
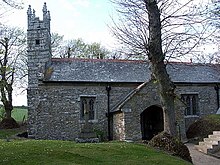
158,68
7,102
6,92
8,109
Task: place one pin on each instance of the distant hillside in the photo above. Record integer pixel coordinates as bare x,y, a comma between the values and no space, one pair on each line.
20,106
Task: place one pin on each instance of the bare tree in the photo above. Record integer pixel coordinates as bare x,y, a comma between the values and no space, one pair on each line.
183,26
214,16
14,4
161,30
12,47
215,13
210,47
6,6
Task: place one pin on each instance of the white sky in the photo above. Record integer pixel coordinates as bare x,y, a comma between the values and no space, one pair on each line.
86,19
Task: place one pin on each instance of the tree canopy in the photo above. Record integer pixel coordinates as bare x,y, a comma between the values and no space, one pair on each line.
77,48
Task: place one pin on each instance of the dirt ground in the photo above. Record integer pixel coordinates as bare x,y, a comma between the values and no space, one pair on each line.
200,158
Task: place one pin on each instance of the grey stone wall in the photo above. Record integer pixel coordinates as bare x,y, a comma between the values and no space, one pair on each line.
207,100
135,106
148,96
118,127
58,111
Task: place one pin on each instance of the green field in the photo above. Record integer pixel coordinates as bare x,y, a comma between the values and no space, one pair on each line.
18,114
46,152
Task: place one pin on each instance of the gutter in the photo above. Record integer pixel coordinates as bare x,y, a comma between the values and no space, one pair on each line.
217,94
108,89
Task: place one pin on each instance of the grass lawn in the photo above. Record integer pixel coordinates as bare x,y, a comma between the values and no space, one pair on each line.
5,133
46,152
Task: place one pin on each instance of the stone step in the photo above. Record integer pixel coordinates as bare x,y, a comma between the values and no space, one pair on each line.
206,149
216,133
212,140
202,148
211,144
214,136
206,144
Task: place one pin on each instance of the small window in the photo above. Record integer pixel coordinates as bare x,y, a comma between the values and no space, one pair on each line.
87,107
37,42
191,101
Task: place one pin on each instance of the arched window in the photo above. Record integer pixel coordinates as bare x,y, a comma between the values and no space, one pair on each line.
83,108
194,105
191,101
188,105
87,107
91,109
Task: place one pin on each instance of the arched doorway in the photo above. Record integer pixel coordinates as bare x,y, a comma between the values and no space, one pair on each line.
151,122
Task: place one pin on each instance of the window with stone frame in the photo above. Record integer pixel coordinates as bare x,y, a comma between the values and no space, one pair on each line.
191,101
87,106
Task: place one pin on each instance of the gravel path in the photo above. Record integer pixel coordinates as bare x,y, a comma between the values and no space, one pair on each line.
200,158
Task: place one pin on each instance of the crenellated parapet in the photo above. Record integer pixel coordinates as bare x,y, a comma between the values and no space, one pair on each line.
35,22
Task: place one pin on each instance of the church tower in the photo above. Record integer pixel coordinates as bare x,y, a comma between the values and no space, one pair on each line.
39,45
39,55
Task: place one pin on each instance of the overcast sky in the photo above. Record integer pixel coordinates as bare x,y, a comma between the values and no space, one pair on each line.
86,19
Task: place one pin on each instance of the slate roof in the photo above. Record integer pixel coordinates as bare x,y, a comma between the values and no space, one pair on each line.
97,70
194,72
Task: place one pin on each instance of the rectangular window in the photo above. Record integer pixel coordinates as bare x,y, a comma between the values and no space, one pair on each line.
37,41
87,108
191,101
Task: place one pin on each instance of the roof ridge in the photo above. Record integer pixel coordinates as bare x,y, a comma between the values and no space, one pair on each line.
96,60
127,60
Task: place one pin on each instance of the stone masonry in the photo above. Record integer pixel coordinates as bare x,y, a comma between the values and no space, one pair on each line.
56,86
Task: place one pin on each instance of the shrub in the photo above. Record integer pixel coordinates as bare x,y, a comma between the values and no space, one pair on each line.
173,145
203,127
9,123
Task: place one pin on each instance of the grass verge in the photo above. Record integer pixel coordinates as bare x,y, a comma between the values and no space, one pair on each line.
47,152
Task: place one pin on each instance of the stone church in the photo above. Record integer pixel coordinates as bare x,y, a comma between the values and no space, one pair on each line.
118,96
